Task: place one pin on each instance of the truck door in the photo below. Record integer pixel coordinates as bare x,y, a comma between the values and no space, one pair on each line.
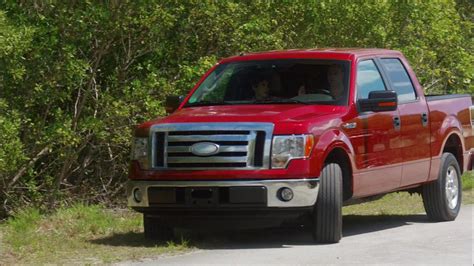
415,130
375,137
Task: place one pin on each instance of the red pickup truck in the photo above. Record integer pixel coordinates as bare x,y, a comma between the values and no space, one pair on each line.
268,137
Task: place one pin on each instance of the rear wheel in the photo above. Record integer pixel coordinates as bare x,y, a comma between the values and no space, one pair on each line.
442,198
327,217
154,230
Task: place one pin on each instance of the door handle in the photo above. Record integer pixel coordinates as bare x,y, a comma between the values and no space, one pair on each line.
424,119
396,123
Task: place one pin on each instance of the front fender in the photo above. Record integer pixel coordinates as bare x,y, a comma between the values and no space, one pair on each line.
326,143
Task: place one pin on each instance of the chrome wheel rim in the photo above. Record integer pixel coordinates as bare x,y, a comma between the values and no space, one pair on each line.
452,187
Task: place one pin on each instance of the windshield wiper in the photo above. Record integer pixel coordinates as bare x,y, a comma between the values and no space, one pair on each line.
277,101
264,101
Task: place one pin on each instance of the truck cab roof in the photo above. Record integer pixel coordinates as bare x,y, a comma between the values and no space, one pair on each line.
316,53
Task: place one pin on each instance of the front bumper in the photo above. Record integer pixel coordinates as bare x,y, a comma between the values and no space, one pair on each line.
305,193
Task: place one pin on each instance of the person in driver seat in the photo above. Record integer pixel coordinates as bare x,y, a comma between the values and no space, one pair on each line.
261,88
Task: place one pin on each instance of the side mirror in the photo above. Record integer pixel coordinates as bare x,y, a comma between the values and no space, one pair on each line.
379,101
172,103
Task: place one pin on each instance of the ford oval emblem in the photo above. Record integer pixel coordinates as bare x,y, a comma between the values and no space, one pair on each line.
204,149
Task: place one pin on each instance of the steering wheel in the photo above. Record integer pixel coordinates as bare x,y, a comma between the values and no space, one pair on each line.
327,92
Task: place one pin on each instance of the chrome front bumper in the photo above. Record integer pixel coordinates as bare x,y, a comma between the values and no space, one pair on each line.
305,191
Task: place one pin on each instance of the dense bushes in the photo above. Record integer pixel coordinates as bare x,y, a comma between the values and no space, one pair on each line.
75,76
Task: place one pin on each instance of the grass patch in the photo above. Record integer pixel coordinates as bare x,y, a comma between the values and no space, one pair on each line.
78,234
468,180
467,186
400,203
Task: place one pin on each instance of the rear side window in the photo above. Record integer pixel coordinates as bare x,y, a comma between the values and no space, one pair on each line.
368,79
399,79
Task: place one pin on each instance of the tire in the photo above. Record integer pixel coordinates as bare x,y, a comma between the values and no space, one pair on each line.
153,230
327,215
442,198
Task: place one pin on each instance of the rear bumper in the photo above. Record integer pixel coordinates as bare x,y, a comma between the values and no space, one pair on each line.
220,195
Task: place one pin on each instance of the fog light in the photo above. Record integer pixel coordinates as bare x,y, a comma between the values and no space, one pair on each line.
285,194
137,195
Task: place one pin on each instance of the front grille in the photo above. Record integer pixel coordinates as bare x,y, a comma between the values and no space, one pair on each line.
240,145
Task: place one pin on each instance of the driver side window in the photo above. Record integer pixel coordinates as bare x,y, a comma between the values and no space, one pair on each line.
368,79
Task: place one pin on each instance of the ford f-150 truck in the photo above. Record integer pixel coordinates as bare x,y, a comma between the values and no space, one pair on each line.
264,138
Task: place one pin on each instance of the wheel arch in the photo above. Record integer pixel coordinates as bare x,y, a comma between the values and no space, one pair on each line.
335,146
453,143
339,155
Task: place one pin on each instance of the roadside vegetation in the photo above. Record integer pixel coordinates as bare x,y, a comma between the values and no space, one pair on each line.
76,76
94,234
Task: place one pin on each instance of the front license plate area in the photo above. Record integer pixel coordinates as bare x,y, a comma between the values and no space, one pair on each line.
202,197
198,197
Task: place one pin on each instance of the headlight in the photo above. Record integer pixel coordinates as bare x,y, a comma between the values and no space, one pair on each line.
140,152
286,148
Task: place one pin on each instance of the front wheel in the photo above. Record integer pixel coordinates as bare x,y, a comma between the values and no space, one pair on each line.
327,217
442,198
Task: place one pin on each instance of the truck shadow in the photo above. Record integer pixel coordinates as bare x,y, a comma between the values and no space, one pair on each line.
281,237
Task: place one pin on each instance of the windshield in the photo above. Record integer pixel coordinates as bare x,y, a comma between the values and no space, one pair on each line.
275,81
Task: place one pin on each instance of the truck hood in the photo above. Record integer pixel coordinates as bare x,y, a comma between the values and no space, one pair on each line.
298,115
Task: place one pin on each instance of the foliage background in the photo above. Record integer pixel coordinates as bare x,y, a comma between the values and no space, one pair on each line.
76,76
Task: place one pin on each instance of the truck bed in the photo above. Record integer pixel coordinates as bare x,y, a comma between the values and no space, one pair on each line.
448,112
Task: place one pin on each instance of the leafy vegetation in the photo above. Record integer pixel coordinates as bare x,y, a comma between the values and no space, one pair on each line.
76,76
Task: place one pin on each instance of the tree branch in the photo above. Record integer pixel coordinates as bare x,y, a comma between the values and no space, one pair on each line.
22,170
